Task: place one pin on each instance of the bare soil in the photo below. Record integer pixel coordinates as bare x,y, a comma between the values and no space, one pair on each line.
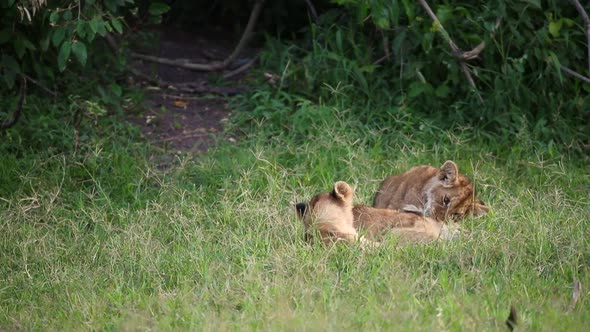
181,122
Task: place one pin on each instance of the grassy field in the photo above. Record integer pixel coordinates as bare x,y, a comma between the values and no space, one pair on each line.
101,239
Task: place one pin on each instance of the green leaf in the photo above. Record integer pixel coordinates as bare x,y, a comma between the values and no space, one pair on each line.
108,26
555,27
442,91
64,55
116,89
398,42
554,60
58,36
158,8
408,6
444,13
44,43
418,88
54,17
28,45
68,15
79,50
116,23
19,46
101,29
94,24
111,5
9,78
5,35
535,3
9,63
80,29
339,40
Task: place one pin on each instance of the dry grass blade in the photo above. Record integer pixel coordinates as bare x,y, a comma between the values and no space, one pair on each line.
576,293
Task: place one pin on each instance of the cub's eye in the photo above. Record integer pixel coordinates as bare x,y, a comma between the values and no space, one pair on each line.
446,201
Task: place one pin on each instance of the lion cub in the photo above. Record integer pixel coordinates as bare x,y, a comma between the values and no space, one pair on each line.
440,193
333,217
330,215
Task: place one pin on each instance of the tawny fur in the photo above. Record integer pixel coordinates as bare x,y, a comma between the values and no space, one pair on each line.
329,215
332,217
439,193
375,223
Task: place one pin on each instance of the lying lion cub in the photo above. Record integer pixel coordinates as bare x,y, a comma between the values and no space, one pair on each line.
333,217
440,193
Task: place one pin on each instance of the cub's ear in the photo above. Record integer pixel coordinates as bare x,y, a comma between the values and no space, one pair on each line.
479,208
343,191
448,173
300,207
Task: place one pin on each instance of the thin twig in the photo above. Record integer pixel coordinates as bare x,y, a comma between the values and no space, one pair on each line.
112,43
37,83
574,74
586,20
314,13
188,87
217,65
474,53
183,136
456,50
182,63
576,293
240,69
246,35
381,59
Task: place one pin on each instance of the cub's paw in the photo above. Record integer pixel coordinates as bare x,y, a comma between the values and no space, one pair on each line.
449,233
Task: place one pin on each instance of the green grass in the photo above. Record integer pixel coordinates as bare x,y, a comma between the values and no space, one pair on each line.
103,240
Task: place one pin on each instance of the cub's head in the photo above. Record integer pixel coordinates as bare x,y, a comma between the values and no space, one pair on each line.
329,215
450,195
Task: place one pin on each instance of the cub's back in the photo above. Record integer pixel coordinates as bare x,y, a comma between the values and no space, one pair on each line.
407,188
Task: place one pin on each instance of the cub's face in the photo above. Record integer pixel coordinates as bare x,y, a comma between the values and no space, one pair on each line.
329,214
451,196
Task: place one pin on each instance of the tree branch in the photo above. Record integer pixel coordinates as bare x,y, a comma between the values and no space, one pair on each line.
218,65
586,20
240,69
314,13
188,87
575,74
37,83
456,50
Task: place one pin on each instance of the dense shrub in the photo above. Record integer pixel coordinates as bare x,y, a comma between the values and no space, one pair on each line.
343,61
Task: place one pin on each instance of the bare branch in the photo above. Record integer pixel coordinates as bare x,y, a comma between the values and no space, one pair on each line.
474,53
183,63
314,13
37,83
456,50
218,65
247,33
575,74
191,88
586,20
240,69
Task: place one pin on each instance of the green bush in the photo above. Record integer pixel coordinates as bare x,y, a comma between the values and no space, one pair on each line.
517,74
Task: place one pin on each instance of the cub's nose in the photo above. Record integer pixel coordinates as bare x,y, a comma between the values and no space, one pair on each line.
300,207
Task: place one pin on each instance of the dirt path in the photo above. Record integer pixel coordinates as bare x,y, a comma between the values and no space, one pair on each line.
187,123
